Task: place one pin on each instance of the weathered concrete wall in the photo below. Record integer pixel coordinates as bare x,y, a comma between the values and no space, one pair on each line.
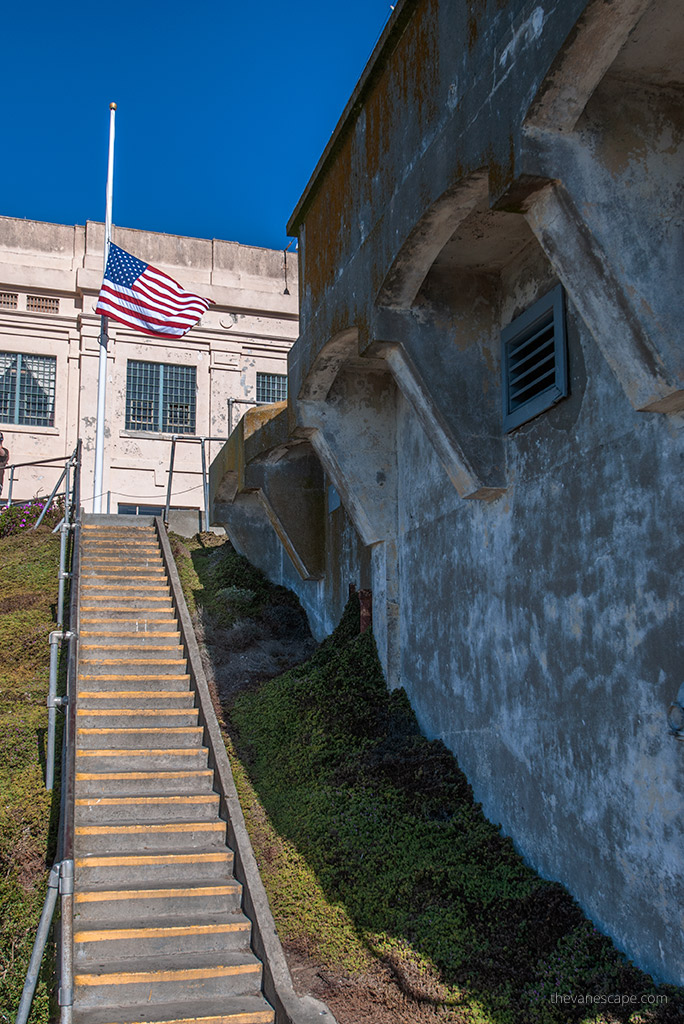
525,584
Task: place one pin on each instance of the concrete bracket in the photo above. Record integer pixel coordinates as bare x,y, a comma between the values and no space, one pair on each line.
586,275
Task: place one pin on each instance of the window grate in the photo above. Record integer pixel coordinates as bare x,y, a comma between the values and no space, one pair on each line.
27,389
160,397
42,304
534,360
271,387
9,300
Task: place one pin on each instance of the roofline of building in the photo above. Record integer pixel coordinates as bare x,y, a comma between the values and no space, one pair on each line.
396,24
142,231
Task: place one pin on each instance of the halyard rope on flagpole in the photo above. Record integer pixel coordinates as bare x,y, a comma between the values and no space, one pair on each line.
102,366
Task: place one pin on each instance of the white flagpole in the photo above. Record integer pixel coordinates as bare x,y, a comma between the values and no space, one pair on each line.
102,367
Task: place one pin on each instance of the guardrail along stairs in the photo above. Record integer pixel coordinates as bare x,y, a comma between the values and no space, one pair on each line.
159,934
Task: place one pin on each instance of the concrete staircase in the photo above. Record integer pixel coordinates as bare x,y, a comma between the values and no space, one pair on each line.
159,935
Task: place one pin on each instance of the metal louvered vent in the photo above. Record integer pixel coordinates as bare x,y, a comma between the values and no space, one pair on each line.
42,304
534,360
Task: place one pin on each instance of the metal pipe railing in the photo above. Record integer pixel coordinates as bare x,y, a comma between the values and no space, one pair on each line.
61,878
205,478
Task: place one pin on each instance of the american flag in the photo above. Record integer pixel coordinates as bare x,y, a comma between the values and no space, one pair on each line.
140,296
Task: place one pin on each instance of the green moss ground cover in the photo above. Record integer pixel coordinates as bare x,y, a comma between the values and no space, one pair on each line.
28,593
374,852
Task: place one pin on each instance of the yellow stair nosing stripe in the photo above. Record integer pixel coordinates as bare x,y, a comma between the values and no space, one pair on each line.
138,860
103,712
85,731
129,776
246,1017
105,895
171,931
178,826
143,752
129,801
151,977
181,677
131,695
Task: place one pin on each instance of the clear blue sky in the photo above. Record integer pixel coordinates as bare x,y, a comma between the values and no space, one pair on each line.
224,108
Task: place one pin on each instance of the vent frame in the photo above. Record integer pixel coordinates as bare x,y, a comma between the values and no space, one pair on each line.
42,304
543,326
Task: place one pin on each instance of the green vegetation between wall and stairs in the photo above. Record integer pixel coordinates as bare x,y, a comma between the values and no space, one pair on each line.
374,852
29,563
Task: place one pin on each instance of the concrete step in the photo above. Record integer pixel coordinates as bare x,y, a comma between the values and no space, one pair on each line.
172,759
124,620
153,838
108,549
112,906
148,698
202,975
138,870
146,737
141,606
125,587
113,718
114,681
114,810
165,936
139,639
243,1009
144,783
139,664
123,647
101,575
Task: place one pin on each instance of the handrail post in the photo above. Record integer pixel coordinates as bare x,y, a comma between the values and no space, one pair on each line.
11,485
205,486
66,987
168,489
39,946
49,501
53,703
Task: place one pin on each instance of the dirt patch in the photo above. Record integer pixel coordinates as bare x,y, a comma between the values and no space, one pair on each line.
19,602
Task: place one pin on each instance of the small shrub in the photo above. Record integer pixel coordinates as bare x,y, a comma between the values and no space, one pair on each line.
24,515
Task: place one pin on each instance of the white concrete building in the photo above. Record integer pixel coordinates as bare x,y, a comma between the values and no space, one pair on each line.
198,386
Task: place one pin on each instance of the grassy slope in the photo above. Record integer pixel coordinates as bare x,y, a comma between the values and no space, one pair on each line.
28,589
374,853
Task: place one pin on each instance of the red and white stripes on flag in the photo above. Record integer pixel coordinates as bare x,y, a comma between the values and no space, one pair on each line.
147,299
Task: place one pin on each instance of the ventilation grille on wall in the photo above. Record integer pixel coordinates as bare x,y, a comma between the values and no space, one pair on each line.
8,300
534,360
42,304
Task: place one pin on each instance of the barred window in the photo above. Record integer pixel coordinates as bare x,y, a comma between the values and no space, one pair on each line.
27,389
160,397
271,387
9,300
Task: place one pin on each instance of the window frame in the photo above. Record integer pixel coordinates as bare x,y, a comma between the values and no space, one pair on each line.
282,377
158,397
550,307
18,393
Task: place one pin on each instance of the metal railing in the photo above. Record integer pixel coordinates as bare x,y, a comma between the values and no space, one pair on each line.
61,878
13,467
205,476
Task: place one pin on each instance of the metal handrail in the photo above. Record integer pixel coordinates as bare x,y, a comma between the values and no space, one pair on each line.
68,459
205,478
61,878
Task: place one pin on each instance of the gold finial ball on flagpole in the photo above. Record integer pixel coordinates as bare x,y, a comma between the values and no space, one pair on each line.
112,106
